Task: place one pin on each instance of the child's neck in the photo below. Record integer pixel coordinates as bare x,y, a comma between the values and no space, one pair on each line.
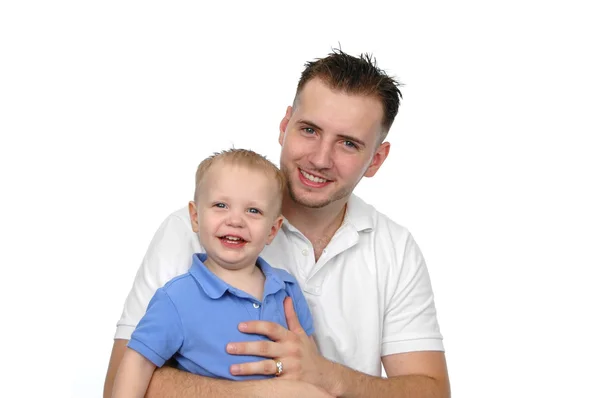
248,278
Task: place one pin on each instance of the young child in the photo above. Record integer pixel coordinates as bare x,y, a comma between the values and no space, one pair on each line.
236,212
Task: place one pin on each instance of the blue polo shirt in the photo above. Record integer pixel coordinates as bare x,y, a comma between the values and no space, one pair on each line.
195,315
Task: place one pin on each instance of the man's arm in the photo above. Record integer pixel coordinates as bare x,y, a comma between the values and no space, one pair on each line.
167,382
410,375
420,374
412,353
193,386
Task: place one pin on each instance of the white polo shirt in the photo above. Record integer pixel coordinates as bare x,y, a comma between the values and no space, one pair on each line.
369,292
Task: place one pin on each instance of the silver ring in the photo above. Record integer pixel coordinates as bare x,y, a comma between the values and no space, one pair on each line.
279,366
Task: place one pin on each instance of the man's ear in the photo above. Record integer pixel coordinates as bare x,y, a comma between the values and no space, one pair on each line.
284,123
380,155
274,229
193,216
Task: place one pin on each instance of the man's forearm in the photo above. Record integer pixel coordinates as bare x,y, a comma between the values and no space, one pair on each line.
171,382
353,384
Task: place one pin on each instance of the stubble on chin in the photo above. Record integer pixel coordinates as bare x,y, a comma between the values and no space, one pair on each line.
313,204
300,199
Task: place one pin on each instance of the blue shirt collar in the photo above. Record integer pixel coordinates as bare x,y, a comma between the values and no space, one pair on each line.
215,287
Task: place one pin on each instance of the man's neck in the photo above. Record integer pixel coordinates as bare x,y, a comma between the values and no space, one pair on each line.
318,225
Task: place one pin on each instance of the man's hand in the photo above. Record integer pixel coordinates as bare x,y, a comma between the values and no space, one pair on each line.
297,352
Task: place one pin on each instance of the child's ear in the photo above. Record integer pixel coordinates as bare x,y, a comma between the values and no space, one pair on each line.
193,216
274,229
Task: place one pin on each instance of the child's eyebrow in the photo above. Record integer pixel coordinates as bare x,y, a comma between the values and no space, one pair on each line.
257,205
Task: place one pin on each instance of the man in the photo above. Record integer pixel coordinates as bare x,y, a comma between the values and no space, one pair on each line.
363,275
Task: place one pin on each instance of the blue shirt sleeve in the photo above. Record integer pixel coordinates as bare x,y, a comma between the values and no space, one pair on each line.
301,307
159,334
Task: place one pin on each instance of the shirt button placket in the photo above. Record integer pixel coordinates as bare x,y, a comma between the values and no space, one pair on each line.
257,310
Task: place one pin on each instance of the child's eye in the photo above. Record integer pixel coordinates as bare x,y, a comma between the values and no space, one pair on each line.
254,210
220,205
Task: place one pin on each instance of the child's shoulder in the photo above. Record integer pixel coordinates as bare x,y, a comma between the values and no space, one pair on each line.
279,273
284,275
179,285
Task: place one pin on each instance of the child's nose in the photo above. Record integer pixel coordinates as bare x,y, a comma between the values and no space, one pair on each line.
235,219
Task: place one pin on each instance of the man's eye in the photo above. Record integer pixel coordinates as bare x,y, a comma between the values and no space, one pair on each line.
309,130
350,144
254,210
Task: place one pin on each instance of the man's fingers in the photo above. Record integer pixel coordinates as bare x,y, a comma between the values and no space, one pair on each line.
266,367
291,317
272,330
264,348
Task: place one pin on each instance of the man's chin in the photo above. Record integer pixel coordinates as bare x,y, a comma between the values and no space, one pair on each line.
313,205
310,201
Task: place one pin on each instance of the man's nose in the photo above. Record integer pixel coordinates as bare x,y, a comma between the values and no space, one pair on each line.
321,158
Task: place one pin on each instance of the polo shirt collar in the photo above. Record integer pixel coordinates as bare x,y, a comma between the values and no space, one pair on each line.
358,214
215,287
274,279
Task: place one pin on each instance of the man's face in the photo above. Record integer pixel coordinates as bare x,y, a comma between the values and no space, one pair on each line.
329,142
235,215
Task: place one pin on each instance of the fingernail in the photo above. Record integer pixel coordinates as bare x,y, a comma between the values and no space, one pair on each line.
235,369
230,347
243,326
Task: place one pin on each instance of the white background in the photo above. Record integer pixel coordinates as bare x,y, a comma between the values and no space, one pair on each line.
107,107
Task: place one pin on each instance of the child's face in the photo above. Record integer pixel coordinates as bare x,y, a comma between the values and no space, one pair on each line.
236,214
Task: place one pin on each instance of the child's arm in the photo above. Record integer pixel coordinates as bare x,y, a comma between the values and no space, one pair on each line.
156,338
133,376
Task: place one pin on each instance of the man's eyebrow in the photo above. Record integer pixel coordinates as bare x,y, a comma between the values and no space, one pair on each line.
308,123
350,138
342,136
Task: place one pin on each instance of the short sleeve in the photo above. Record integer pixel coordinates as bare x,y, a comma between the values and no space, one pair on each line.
169,255
301,307
159,334
410,318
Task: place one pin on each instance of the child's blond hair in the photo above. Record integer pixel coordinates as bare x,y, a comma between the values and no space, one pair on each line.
245,158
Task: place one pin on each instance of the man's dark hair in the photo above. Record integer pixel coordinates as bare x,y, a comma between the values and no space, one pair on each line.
356,75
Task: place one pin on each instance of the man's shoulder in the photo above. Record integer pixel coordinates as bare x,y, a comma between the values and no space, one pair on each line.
373,220
175,237
393,242
177,224
181,215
